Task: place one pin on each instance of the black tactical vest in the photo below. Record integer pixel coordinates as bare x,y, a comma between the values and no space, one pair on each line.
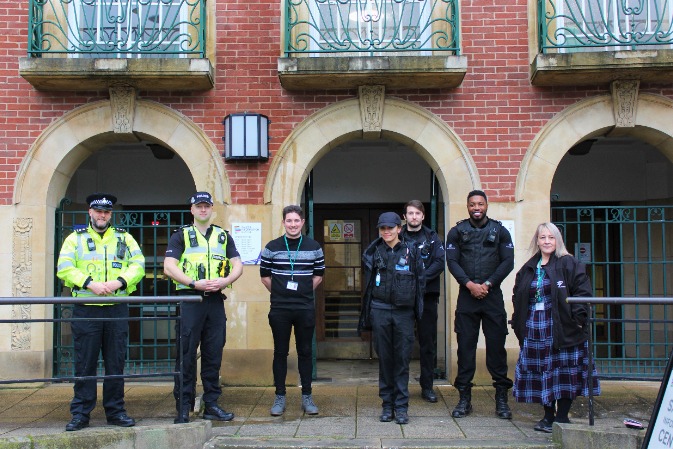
479,249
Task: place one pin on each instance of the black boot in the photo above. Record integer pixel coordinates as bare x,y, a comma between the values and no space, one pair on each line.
501,407
464,406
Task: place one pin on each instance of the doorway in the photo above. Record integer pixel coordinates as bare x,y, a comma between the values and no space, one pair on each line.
344,231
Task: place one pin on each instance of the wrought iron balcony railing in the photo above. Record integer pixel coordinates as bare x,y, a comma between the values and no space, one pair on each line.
117,28
406,27
591,25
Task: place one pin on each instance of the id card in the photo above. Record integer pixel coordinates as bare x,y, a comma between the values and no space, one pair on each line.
292,285
539,306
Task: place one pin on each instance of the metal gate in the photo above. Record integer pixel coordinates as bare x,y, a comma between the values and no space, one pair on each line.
150,347
629,252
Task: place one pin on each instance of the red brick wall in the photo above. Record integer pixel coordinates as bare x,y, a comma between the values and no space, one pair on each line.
495,111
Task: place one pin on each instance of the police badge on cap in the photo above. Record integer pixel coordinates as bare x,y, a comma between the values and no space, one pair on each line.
201,197
101,201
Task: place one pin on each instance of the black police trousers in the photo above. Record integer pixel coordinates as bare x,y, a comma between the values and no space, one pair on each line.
489,313
426,328
204,324
90,339
393,331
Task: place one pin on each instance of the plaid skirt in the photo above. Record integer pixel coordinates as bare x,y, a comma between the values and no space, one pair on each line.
544,374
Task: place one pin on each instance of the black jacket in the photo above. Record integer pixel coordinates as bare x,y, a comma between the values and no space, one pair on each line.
416,266
568,278
433,256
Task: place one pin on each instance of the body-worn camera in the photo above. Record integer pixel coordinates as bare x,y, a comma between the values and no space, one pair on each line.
121,248
425,249
192,239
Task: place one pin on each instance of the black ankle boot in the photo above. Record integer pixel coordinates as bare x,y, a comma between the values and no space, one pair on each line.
464,406
501,407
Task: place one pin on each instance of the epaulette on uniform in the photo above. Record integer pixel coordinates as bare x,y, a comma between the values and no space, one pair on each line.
462,221
120,230
81,230
181,228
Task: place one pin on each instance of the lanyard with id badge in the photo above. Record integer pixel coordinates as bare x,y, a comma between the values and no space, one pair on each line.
292,284
539,298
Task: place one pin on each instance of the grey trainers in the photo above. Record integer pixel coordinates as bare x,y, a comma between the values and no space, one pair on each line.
308,405
278,406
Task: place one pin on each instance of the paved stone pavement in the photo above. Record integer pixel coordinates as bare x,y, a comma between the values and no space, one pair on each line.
348,416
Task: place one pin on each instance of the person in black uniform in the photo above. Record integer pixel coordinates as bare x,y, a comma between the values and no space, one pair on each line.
480,254
432,251
202,259
393,299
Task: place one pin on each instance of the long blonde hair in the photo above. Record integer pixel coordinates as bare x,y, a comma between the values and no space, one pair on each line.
561,249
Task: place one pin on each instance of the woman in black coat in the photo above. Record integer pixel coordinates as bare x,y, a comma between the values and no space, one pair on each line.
553,363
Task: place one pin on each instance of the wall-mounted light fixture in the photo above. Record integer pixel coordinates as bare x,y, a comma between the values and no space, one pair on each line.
246,137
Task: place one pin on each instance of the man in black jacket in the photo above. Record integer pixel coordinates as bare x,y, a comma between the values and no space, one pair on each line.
480,254
432,252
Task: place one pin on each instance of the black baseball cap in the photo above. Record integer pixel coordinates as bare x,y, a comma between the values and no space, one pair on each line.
201,197
389,219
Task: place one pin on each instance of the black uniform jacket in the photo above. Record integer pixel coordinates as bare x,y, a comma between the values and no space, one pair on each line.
434,262
416,265
568,278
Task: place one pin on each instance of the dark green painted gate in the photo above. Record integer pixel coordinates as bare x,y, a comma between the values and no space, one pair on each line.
629,253
151,343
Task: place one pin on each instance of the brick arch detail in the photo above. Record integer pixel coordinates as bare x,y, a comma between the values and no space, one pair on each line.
405,122
60,149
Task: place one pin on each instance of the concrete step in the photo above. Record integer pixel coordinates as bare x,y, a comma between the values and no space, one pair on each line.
223,442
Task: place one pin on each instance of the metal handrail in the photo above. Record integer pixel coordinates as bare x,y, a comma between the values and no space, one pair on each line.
10,301
615,301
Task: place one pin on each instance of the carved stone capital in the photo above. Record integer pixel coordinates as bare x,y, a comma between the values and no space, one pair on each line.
122,102
22,281
625,102
371,109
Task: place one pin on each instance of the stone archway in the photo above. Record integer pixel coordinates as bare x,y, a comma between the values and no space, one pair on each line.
46,170
650,117
63,146
397,120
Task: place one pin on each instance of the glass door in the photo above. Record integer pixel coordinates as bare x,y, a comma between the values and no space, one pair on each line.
339,296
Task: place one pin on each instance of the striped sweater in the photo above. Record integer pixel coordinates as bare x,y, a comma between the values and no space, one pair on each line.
285,267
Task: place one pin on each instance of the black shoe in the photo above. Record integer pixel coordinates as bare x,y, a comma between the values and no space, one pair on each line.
387,415
501,408
214,412
464,406
181,419
401,417
543,425
76,424
122,420
429,395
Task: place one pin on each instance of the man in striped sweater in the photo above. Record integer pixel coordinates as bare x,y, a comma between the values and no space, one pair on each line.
291,268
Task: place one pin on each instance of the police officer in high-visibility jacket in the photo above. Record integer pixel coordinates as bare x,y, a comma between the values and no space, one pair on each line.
98,262
202,259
